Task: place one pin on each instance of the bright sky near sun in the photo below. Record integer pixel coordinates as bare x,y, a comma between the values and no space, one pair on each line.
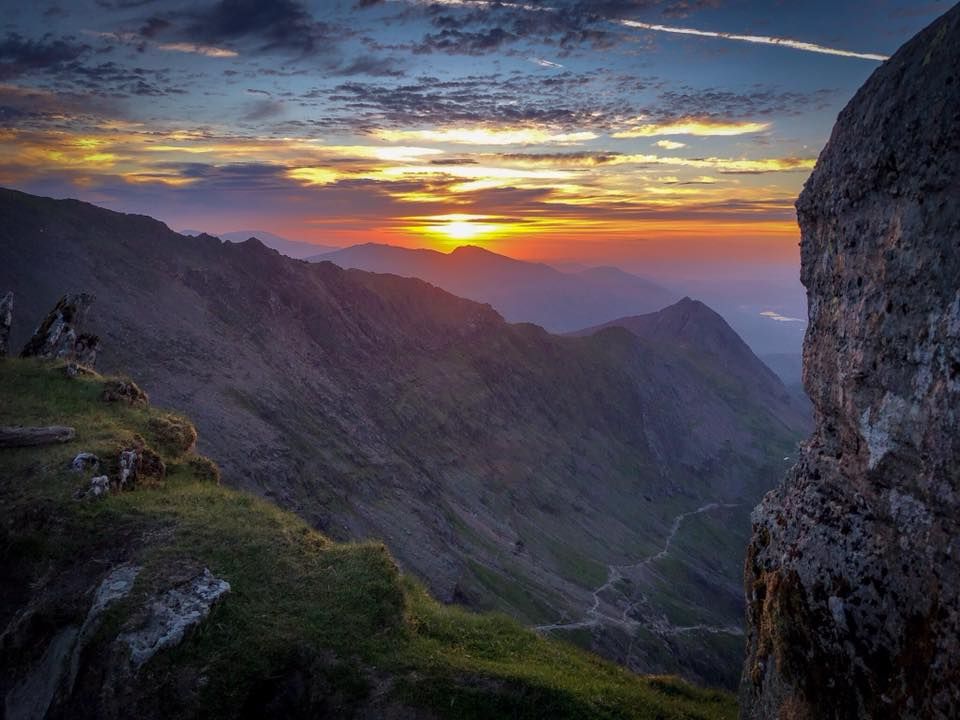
612,130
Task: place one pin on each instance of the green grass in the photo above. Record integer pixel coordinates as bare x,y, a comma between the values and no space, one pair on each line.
343,611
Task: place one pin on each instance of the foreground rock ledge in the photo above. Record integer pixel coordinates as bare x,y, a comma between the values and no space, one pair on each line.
852,577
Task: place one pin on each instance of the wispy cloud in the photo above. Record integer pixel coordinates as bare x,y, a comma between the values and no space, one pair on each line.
487,136
706,127
545,63
758,39
780,318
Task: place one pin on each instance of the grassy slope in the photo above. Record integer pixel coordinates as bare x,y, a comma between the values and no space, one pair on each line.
294,592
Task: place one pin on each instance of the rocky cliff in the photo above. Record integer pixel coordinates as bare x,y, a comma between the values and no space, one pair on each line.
852,576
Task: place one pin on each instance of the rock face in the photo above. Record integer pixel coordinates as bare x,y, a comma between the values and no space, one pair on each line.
853,573
6,319
58,335
172,614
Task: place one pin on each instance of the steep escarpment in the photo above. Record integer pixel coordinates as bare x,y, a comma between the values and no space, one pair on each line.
853,579
507,467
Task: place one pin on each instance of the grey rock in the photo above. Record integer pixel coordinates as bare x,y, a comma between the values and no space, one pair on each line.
59,337
172,614
99,487
853,574
6,319
85,461
115,586
31,697
129,462
33,436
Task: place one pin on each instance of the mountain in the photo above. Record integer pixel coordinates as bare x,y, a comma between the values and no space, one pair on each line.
597,487
290,248
691,326
852,573
177,598
521,291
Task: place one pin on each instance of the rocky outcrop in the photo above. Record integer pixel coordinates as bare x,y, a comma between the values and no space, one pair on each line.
6,320
59,337
853,573
170,615
33,436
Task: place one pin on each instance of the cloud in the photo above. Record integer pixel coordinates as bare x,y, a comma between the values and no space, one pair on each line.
372,66
770,314
758,39
544,63
20,55
704,127
264,109
207,50
670,144
262,26
460,42
487,136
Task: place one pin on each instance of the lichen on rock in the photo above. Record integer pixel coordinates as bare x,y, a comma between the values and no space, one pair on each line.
853,575
59,336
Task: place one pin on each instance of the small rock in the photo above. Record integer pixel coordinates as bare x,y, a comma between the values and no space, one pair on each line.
129,462
99,486
6,319
85,461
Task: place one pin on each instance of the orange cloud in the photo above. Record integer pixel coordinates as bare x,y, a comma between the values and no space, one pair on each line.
704,127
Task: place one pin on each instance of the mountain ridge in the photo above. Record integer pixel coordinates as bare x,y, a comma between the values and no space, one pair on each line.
506,466
522,291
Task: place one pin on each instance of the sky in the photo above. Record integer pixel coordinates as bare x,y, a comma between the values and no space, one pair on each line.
670,134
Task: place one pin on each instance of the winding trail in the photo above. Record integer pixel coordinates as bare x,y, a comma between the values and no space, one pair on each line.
594,616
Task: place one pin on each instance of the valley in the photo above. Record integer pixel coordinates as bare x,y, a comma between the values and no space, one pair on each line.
506,467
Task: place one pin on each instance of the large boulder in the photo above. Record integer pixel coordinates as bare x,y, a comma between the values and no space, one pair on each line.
59,336
853,572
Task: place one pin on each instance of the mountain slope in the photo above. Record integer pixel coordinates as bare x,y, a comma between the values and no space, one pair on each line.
689,325
291,248
521,291
509,468
302,627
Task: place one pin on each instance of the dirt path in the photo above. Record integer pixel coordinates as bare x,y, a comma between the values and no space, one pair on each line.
595,617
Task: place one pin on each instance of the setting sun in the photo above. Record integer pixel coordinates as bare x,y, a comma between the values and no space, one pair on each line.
459,227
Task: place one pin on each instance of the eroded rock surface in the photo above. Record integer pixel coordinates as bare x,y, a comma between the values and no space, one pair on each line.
59,336
172,614
852,577
6,319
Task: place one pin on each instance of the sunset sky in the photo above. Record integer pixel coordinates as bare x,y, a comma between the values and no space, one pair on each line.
571,130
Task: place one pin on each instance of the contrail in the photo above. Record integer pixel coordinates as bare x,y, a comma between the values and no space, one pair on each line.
761,39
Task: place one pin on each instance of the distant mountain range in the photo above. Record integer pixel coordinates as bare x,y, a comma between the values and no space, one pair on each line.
598,487
520,291
291,248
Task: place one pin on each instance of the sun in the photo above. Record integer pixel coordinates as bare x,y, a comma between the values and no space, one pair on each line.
457,227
